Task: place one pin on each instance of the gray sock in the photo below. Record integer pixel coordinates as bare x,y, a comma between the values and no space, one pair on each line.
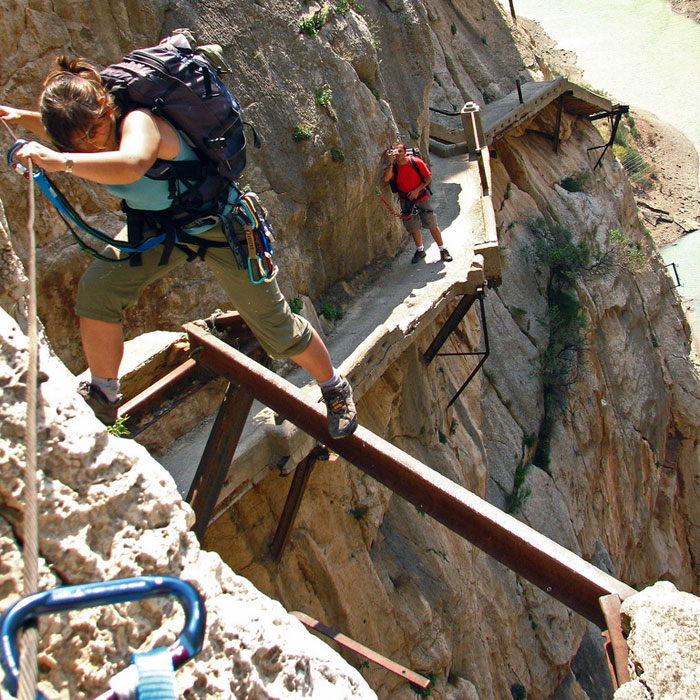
109,387
335,380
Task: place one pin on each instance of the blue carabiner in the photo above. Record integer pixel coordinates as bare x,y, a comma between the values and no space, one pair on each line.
28,609
12,152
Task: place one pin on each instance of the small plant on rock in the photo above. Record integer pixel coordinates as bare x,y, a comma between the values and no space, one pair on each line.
119,429
301,133
311,25
324,95
296,305
330,311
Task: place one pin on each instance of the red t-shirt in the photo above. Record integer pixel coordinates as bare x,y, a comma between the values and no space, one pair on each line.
408,179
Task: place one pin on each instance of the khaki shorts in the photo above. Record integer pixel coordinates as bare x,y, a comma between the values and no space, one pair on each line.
107,289
422,215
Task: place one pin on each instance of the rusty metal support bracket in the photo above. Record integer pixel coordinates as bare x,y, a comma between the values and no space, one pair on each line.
296,492
169,391
557,128
615,115
218,453
451,325
163,396
362,650
543,562
615,644
675,273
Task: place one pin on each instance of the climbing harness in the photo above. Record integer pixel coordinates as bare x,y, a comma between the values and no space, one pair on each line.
151,675
254,253
70,216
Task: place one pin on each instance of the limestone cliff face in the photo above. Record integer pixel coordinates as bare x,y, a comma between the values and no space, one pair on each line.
380,62
617,454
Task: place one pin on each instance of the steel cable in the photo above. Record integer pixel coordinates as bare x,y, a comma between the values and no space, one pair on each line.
30,530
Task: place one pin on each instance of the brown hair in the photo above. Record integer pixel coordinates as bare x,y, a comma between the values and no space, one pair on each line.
74,98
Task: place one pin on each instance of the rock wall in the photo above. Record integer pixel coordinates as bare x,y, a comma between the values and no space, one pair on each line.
108,510
689,8
662,626
381,61
620,483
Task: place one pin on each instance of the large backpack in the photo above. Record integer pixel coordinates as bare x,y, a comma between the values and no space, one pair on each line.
182,85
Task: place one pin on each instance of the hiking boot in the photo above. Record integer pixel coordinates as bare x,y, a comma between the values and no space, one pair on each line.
342,415
102,407
418,255
445,255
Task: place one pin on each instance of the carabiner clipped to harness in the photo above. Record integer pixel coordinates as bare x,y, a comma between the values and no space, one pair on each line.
258,237
155,672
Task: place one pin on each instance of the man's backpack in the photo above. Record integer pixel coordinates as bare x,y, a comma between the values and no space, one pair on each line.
411,154
183,86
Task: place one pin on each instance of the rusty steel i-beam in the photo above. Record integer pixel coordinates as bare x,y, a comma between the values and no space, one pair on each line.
551,567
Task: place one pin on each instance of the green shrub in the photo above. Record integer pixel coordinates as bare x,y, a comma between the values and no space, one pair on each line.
311,25
330,311
630,253
518,692
565,319
301,133
574,183
337,156
516,499
324,95
119,428
296,305
424,692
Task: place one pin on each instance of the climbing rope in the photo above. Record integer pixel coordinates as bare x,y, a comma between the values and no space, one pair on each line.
30,530
391,209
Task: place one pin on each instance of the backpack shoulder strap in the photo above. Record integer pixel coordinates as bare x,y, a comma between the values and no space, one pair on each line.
412,160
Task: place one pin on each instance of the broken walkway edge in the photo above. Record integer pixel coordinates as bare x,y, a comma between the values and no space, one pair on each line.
554,569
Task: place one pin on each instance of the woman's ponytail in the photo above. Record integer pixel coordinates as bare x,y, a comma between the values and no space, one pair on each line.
74,98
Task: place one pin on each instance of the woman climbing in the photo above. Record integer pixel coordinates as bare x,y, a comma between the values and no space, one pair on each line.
94,140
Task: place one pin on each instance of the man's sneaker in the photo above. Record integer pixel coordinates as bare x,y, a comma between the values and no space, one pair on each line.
103,408
342,415
418,255
445,255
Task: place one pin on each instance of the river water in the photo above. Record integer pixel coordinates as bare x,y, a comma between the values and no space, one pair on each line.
643,54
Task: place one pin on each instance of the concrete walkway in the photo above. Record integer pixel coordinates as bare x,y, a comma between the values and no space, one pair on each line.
378,325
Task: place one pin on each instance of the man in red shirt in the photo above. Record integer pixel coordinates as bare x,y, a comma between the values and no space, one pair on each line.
411,177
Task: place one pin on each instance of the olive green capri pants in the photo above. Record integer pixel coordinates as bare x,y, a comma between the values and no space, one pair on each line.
107,289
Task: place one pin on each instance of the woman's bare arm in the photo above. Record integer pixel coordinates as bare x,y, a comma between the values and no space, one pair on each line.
25,118
144,138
